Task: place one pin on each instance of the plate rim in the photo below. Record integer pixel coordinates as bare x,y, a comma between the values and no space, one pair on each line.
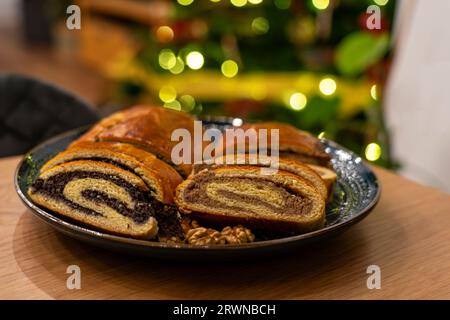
58,222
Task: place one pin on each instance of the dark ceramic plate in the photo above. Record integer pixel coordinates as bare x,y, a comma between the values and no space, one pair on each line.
356,193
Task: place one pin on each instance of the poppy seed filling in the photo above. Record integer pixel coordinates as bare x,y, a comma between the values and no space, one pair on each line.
145,203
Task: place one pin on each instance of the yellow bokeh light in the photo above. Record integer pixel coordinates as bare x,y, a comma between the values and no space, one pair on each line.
373,92
214,0
195,60
178,67
255,1
238,3
175,105
185,2
321,135
381,2
327,86
164,34
229,68
373,151
167,59
187,102
260,25
321,4
167,94
298,101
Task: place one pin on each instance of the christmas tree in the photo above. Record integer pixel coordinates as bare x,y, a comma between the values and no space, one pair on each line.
319,65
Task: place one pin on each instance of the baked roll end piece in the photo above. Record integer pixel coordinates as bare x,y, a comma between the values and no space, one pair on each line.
98,194
281,202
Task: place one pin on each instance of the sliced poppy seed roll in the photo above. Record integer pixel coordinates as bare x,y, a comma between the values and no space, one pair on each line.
114,187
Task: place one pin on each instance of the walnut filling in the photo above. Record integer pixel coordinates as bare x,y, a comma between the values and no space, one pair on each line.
253,195
85,191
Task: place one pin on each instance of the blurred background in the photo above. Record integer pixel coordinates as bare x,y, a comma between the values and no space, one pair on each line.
371,78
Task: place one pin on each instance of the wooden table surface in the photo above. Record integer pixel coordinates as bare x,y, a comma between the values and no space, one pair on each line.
407,236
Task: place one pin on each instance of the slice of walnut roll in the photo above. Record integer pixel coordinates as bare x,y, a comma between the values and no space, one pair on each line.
295,167
294,146
230,195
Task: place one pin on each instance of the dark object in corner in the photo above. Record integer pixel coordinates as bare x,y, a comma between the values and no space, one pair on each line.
32,111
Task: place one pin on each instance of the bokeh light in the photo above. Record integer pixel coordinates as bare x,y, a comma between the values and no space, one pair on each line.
373,92
381,2
321,4
255,1
195,60
167,59
298,101
260,25
229,68
237,122
167,94
321,135
373,151
327,86
185,2
187,102
164,34
238,3
175,105
178,67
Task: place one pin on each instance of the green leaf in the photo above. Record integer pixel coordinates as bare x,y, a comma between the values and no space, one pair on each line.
360,50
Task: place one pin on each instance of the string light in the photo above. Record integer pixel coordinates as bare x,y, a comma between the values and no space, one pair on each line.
321,4
178,67
195,60
229,68
167,94
327,86
238,3
185,2
373,92
373,151
260,25
167,59
381,2
298,101
164,34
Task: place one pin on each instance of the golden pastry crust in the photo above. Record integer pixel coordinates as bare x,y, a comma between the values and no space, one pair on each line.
146,127
293,143
258,219
158,175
